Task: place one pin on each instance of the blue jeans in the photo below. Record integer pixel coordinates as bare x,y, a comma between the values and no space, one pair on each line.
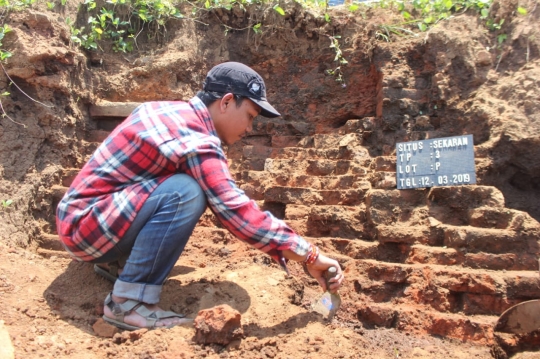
156,238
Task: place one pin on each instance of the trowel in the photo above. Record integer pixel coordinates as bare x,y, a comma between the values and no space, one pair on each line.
328,304
521,318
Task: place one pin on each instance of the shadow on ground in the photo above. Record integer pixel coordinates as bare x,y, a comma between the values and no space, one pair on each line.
77,295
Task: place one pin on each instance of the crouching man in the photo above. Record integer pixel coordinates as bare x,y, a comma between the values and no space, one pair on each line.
139,197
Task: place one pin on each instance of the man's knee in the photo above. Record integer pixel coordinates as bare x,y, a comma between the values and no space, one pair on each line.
191,192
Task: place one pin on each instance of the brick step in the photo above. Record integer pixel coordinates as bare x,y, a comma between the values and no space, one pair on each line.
48,253
327,221
358,125
383,180
50,242
450,256
255,183
335,153
363,247
306,196
475,239
314,167
105,109
477,206
443,288
319,141
58,192
465,238
419,320
272,127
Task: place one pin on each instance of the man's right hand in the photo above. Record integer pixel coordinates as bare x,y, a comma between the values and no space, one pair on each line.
318,269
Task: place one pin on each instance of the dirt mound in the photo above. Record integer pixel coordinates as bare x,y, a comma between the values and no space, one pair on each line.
428,271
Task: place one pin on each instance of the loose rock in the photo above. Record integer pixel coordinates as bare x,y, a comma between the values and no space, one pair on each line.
219,325
102,329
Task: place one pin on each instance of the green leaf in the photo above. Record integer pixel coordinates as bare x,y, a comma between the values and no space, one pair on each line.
4,55
326,17
257,28
406,15
5,94
279,10
521,10
422,26
353,8
484,13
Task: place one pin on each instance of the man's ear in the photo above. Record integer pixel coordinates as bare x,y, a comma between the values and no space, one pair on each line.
226,101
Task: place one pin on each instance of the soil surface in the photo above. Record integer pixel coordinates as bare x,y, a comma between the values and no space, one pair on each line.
428,271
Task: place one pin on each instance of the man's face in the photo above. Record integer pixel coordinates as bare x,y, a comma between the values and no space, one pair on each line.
235,120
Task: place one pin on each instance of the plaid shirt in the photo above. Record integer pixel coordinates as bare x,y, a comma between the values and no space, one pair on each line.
156,141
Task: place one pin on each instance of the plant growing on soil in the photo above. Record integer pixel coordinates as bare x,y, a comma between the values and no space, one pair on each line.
6,203
122,30
4,29
423,14
334,44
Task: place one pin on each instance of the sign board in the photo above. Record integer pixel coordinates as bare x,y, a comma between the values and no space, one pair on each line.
445,161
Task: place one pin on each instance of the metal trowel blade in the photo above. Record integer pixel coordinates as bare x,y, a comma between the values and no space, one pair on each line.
327,305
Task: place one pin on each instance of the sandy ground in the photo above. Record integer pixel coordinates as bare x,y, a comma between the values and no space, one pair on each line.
51,304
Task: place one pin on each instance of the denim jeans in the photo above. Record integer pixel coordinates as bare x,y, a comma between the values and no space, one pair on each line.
156,238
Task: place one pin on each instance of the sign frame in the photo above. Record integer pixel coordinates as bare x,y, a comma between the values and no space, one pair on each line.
446,161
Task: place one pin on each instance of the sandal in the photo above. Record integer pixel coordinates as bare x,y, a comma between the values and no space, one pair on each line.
120,310
110,274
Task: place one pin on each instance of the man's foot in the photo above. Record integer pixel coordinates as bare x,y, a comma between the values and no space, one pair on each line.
132,315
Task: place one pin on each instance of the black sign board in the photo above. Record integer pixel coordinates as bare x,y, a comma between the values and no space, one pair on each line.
445,161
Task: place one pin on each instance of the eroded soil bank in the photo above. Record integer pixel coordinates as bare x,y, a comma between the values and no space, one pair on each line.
428,271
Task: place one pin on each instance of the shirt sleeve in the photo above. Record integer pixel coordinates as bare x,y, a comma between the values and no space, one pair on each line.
240,215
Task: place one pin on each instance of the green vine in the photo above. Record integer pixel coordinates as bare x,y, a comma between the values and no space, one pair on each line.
424,14
341,61
105,23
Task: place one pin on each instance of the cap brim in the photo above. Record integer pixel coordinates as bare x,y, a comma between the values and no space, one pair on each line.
267,110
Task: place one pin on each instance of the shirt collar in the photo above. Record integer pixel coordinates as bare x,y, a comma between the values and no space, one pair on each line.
202,112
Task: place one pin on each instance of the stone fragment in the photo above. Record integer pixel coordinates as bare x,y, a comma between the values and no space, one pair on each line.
103,329
483,58
6,347
220,325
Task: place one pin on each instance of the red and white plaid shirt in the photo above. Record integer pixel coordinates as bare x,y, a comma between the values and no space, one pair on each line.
156,141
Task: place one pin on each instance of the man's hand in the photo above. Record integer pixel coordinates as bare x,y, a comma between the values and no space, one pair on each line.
320,266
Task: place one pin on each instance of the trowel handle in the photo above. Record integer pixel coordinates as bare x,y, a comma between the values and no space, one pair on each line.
329,274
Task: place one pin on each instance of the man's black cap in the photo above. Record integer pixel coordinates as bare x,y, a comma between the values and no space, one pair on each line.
239,79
